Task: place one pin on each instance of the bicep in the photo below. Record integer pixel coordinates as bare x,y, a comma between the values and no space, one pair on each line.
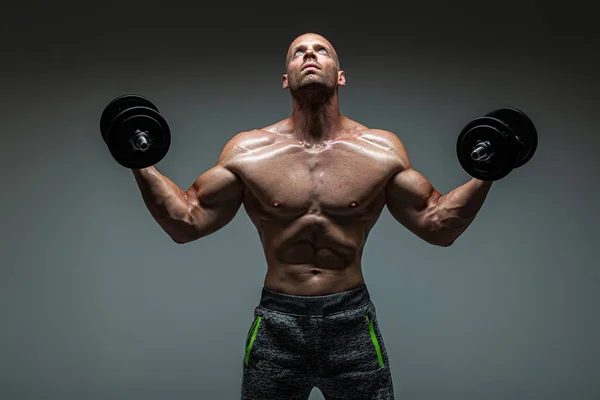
412,199
215,198
216,186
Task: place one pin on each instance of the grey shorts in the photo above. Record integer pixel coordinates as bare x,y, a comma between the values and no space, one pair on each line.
333,342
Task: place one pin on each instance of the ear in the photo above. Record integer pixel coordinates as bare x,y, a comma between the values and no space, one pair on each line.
285,81
341,78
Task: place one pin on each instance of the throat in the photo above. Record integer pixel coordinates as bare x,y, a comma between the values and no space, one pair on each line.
314,126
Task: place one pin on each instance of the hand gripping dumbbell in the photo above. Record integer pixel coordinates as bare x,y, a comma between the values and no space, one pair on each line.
135,132
490,147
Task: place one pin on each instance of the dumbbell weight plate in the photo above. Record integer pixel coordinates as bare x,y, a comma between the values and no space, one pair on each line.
119,104
123,129
523,128
502,141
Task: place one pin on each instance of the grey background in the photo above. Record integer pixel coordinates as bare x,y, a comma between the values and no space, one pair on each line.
97,303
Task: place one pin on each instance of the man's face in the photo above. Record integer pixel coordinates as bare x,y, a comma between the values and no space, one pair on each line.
312,65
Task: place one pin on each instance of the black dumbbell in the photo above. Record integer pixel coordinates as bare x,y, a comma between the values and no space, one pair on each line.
135,132
490,147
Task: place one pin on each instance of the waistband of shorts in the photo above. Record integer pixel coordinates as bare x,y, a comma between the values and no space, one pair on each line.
315,305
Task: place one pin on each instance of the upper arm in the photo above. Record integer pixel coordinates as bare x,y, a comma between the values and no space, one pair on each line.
216,196
411,198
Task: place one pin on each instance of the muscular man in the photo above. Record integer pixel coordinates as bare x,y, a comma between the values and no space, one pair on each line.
313,184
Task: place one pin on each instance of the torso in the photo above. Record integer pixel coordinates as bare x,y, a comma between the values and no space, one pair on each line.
314,206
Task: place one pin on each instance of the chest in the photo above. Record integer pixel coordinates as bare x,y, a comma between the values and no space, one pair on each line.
335,180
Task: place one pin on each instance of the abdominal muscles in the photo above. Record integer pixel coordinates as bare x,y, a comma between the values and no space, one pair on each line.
306,253
314,242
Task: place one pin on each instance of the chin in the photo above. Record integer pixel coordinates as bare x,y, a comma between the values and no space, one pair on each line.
314,86
312,90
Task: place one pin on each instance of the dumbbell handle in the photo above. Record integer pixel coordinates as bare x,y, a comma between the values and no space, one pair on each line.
140,141
482,152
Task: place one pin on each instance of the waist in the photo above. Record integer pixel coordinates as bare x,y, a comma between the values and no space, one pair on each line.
315,305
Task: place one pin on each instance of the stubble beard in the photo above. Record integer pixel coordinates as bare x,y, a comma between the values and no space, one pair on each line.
312,89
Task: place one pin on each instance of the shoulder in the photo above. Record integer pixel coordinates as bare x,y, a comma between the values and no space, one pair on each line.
245,142
388,142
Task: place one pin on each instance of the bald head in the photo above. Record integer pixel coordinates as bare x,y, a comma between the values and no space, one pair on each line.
307,40
312,68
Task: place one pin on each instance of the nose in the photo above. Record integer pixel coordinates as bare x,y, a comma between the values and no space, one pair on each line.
309,54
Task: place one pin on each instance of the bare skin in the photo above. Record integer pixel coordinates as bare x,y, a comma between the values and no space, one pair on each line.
314,184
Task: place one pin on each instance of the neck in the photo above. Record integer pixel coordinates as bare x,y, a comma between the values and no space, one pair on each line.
315,120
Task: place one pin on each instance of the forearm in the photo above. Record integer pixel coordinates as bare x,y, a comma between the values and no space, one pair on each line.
456,210
166,201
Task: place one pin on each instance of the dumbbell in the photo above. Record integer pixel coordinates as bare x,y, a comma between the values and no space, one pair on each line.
136,134
490,147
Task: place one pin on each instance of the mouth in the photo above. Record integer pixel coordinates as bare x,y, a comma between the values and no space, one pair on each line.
310,66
